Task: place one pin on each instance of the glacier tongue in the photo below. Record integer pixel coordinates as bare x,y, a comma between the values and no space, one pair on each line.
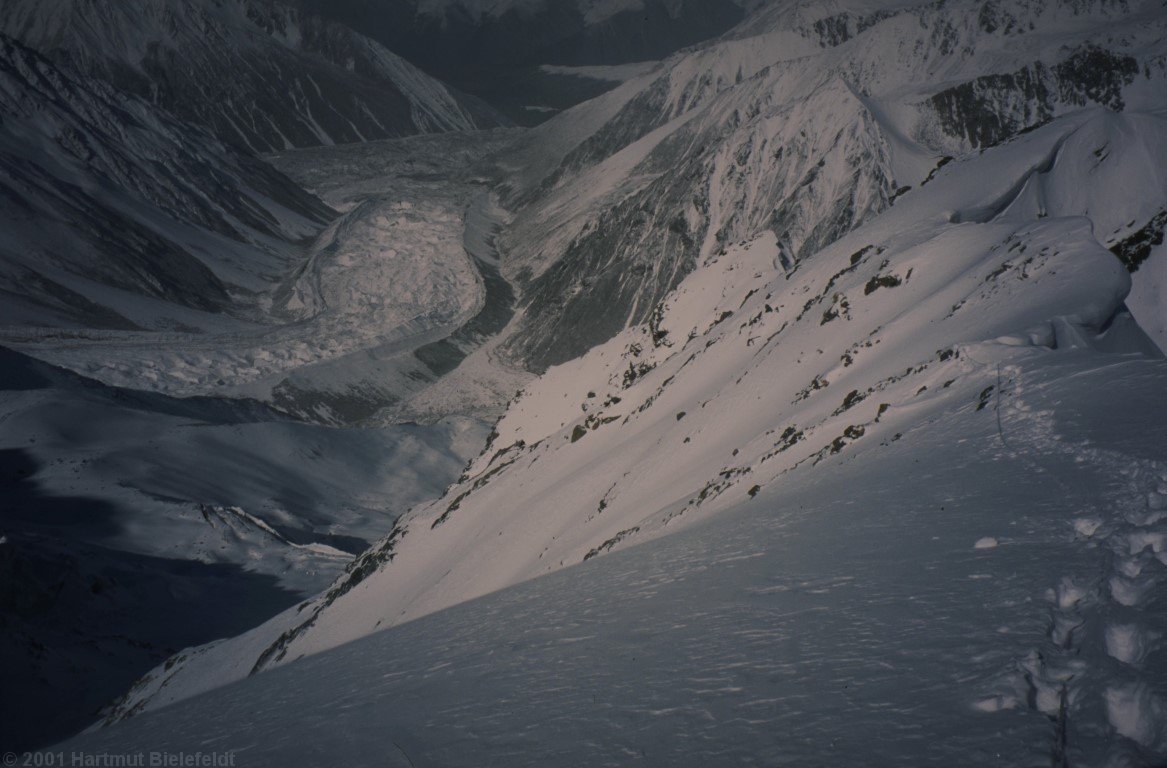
321,321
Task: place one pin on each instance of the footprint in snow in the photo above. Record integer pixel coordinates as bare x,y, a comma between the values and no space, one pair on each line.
1052,679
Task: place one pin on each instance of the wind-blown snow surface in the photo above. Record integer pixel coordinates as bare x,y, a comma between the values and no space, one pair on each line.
805,121
910,347
259,73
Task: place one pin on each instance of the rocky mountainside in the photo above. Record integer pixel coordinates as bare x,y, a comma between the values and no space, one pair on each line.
805,121
259,73
118,215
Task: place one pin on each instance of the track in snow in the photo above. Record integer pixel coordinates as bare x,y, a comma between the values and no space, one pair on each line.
1094,671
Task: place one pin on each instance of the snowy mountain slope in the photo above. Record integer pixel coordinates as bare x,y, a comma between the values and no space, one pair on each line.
979,592
749,377
1149,295
218,63
496,49
134,524
117,215
640,185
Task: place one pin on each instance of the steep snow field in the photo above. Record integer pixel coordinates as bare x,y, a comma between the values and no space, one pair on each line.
1148,299
966,595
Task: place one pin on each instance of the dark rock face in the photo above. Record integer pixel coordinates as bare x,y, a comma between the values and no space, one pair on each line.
257,73
972,110
605,280
839,28
647,111
1136,248
1095,75
991,108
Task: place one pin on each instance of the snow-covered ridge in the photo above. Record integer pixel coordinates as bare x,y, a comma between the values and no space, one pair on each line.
214,63
947,598
751,375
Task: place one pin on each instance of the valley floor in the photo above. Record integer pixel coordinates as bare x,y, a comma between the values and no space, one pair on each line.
983,591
